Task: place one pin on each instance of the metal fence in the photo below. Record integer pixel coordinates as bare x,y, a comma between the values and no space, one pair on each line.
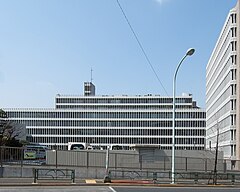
129,160
19,156
180,177
53,174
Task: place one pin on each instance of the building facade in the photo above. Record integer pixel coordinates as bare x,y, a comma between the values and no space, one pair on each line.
222,91
119,120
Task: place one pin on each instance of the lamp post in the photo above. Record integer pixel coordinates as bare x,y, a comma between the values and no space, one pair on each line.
188,53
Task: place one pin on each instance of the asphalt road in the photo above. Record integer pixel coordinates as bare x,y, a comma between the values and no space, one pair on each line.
113,189
173,189
56,189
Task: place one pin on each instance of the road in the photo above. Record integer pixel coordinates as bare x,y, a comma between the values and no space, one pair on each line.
56,189
114,189
173,189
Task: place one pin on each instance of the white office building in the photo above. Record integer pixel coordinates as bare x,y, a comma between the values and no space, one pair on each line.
222,91
119,120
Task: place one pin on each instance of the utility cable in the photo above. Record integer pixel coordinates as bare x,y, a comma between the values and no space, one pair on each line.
141,47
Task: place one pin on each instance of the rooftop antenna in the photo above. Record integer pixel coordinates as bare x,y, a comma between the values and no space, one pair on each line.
91,75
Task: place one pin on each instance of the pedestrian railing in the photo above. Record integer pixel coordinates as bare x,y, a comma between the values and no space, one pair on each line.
195,177
53,174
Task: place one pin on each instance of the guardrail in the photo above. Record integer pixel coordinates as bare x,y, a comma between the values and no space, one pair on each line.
157,177
53,174
209,176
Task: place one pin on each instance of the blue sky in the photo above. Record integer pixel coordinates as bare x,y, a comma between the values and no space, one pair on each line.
49,47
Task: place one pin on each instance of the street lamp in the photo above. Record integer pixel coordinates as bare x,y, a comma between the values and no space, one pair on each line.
188,53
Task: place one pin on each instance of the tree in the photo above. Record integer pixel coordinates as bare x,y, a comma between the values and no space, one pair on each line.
3,120
216,131
10,131
216,158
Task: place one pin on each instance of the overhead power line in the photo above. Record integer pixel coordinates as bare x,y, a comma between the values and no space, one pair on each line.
141,47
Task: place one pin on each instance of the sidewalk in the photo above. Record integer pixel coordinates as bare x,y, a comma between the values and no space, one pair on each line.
29,181
99,182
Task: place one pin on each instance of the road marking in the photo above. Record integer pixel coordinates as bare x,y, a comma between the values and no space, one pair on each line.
90,181
112,189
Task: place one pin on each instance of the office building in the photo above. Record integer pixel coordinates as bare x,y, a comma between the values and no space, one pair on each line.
115,120
222,91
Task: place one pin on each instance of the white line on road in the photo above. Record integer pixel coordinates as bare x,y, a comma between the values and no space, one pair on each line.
112,189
